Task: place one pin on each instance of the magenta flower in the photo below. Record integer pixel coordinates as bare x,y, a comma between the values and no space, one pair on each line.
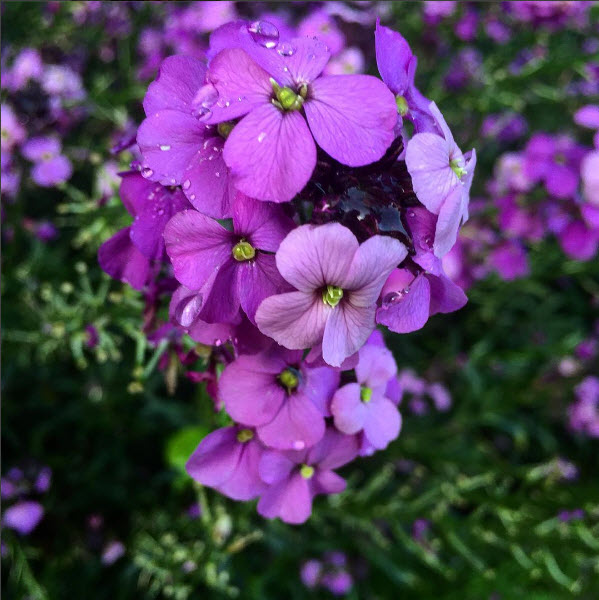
128,254
338,283
50,167
286,106
510,260
584,413
442,177
227,459
589,172
177,147
397,66
363,406
229,268
295,477
278,394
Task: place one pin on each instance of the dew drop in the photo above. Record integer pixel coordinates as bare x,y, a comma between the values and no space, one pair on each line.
186,184
203,101
218,343
147,172
285,49
264,33
217,174
165,147
298,445
262,136
192,197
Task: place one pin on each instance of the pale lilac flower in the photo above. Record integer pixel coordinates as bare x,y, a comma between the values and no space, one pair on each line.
230,268
112,552
363,406
27,65
227,459
338,283
279,395
23,517
319,23
295,477
287,106
442,177
12,132
590,177
435,11
587,116
584,413
347,62
50,167
310,573
510,260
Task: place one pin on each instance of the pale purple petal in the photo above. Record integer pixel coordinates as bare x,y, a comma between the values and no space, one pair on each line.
297,425
448,223
123,261
382,424
295,320
393,56
405,310
348,410
328,482
319,385
196,245
179,78
313,256
352,117
372,264
23,516
250,390
263,224
346,331
206,180
375,367
215,458
290,500
446,296
221,294
276,466
245,482
587,116
168,141
333,451
40,148
50,172
271,154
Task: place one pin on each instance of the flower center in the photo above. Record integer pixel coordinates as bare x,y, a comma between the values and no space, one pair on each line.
402,105
306,471
457,168
245,435
225,128
286,98
46,155
332,295
365,394
243,251
289,378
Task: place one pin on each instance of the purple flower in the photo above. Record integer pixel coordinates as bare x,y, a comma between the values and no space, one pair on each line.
27,65
50,167
338,283
276,392
319,23
310,573
590,177
271,151
584,413
363,406
510,260
230,268
112,552
43,480
397,66
177,147
587,116
23,516
227,459
46,231
128,255
579,241
348,61
295,477
11,131
442,177
338,582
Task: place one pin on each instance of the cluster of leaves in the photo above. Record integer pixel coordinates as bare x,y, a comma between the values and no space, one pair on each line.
485,475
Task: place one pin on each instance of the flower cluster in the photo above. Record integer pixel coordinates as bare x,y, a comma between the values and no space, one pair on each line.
330,573
584,412
284,211
42,102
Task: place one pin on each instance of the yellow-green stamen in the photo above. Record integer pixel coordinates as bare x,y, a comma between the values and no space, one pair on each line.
289,379
287,98
457,168
306,471
332,295
225,128
243,251
245,435
365,394
402,105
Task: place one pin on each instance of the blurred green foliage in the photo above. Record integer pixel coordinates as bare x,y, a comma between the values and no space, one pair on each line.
485,474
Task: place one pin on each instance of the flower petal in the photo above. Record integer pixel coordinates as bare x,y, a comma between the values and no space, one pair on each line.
290,500
197,246
295,320
271,154
245,482
382,424
348,410
375,366
346,331
333,451
352,117
275,466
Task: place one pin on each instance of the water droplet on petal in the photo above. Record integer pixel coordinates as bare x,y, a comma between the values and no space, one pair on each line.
264,33
298,445
186,184
217,174
262,136
218,343
203,101
165,147
285,49
147,172
192,197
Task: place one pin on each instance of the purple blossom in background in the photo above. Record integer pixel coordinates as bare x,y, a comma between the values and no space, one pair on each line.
338,282
23,517
12,132
50,166
363,406
282,397
295,477
227,460
510,260
230,268
271,152
583,414
112,552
